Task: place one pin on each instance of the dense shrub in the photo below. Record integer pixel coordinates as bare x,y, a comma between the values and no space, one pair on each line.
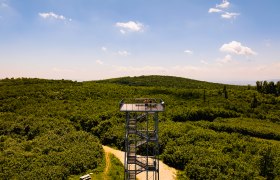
71,153
245,126
208,114
43,125
205,154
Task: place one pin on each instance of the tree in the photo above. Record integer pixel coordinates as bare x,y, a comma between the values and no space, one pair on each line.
204,96
259,86
254,102
265,87
271,88
278,88
225,92
249,87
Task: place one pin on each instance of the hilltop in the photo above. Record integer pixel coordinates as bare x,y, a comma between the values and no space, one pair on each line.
164,81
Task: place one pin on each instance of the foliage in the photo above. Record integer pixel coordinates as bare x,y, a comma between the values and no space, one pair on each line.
164,81
115,172
206,154
37,139
50,156
195,114
53,129
246,126
268,87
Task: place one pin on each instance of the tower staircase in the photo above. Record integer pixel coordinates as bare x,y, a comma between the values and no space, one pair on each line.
140,138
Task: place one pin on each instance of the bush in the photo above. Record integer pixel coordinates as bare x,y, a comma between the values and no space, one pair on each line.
197,114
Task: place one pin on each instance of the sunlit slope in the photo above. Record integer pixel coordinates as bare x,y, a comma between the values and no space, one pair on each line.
165,81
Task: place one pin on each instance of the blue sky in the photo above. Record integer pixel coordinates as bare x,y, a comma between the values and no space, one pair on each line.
217,40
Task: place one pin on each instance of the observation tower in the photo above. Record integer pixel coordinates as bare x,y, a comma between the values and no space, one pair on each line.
141,137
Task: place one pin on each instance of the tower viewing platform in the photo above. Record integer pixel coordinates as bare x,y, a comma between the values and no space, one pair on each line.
142,105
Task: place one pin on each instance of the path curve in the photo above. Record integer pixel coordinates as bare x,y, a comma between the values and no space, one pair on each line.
165,172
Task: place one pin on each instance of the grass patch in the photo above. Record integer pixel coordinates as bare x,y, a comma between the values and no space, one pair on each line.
116,170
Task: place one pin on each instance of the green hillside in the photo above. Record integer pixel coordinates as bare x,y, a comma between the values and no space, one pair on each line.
164,81
54,129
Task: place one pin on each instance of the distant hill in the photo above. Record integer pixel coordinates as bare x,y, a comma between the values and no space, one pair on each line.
165,81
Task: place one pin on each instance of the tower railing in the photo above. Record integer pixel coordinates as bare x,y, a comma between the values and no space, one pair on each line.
142,105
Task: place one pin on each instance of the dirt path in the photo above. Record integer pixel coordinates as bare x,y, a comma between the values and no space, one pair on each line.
108,165
165,172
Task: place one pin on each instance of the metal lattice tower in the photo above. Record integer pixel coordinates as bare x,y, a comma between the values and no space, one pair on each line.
141,137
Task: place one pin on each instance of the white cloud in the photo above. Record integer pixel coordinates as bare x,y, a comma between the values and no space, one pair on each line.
98,61
225,14
226,59
225,4
122,31
123,53
130,26
204,62
228,15
3,5
188,52
52,15
235,47
104,48
214,10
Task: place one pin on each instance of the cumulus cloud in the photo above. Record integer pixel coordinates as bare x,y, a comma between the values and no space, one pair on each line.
224,14
188,52
228,15
235,47
225,4
214,10
226,59
122,31
130,26
98,61
52,15
104,48
204,62
123,53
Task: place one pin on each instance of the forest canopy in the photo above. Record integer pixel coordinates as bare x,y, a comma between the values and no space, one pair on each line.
54,128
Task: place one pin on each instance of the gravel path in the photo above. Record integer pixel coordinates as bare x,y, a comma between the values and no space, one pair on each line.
165,172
